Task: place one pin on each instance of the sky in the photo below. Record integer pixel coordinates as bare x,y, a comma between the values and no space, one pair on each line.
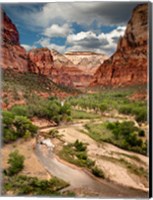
71,26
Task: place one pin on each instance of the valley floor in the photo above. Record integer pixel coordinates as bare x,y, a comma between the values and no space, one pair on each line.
111,159
119,166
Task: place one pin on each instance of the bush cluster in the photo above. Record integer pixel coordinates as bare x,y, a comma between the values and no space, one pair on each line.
15,126
140,112
109,100
50,109
16,163
127,135
98,172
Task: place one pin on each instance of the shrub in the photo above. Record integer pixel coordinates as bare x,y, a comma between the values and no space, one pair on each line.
65,109
141,133
9,135
103,107
79,146
8,118
15,127
98,172
23,124
20,110
27,135
53,133
141,115
16,162
126,109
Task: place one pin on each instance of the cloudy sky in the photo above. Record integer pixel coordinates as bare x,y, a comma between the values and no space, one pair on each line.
79,26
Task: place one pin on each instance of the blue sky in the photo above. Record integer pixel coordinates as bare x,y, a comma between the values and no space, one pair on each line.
79,26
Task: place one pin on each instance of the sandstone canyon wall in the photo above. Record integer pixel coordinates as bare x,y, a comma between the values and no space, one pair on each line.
128,65
13,56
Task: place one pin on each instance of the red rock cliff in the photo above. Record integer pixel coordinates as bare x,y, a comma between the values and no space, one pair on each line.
40,61
9,32
128,65
12,54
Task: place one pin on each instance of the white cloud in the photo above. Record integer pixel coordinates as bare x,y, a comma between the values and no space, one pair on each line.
104,13
28,47
56,30
80,36
87,41
45,42
112,38
90,41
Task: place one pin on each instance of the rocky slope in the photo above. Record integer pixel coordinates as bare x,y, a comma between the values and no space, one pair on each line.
12,54
128,65
88,62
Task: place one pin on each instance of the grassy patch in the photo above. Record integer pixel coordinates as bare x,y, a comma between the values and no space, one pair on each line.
136,158
98,132
79,114
132,168
140,171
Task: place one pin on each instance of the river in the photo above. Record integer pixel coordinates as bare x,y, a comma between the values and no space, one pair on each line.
79,178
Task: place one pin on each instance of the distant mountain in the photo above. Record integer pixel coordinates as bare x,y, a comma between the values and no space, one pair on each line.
88,62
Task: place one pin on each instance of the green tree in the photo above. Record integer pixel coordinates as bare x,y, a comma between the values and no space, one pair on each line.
16,162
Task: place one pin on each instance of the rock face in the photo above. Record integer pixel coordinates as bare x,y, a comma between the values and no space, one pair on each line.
9,32
61,60
67,71
40,61
88,62
128,65
12,54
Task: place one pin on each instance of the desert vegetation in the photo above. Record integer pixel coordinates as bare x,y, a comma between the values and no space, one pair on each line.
16,126
107,100
122,134
76,153
19,184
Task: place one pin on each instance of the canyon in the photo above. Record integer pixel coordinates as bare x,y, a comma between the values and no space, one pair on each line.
90,106
127,66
